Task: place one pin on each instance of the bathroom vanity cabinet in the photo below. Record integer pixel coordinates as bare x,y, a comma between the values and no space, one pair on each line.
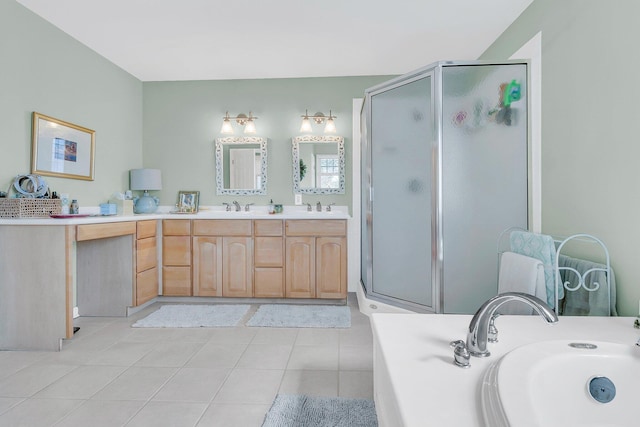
107,266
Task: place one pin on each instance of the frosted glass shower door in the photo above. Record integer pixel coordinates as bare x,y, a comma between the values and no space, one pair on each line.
401,144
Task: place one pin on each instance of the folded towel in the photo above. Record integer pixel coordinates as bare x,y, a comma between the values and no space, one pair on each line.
582,302
519,273
541,247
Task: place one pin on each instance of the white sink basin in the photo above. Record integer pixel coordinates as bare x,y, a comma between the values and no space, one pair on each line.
548,384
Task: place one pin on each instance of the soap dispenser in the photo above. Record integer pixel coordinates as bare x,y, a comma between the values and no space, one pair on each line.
272,208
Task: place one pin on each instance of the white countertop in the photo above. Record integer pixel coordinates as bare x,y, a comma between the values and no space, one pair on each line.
416,383
206,212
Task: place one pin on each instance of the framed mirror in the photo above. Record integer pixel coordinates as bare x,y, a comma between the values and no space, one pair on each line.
241,166
318,164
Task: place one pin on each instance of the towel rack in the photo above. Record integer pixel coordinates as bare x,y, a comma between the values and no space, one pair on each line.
561,243
581,277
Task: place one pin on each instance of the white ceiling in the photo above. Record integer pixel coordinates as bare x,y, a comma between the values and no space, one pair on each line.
160,40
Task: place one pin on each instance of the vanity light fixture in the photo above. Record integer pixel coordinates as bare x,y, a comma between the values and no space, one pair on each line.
242,119
318,118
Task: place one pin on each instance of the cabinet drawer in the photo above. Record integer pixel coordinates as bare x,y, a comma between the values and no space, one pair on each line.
222,227
176,250
176,281
146,254
267,227
176,227
146,285
146,229
269,251
316,227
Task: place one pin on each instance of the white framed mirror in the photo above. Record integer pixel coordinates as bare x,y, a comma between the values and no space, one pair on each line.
318,164
241,166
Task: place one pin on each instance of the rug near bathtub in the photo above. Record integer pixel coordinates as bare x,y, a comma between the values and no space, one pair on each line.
308,411
301,316
194,316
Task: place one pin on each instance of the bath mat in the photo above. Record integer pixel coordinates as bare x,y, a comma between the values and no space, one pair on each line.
300,410
193,316
301,316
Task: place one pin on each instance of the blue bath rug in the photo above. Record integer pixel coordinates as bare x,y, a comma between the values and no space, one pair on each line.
301,316
194,316
300,410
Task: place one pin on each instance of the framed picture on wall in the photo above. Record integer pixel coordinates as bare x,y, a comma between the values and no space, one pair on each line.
61,149
188,201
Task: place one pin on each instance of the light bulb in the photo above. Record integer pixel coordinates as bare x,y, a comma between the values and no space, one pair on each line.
306,125
226,125
250,127
330,127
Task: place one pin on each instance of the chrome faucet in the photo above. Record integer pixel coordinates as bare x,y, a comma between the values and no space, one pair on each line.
319,207
237,205
329,207
308,207
479,327
246,207
227,206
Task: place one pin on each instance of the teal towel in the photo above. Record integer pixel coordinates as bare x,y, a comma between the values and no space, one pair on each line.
541,247
582,302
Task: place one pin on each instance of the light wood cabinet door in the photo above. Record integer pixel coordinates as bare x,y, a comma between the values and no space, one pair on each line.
176,281
146,285
207,266
268,283
331,267
300,274
237,269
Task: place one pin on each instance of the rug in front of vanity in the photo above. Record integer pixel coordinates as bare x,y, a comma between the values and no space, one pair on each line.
194,316
301,316
308,411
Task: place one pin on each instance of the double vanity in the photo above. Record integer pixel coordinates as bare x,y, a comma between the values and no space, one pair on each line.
109,265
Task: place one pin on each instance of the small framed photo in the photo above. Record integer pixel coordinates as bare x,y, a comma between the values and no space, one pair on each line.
188,201
61,148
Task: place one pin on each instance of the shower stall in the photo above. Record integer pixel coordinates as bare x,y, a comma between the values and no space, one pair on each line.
444,172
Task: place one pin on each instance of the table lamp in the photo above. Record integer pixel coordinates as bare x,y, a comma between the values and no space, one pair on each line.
146,180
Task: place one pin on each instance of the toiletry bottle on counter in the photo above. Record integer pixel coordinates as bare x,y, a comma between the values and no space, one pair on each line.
272,208
74,209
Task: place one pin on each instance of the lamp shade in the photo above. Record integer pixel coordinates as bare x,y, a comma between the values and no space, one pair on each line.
145,179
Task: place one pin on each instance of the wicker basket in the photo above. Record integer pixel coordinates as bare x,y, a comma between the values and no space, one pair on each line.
29,208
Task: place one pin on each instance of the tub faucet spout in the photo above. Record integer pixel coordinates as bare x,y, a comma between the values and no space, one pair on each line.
479,327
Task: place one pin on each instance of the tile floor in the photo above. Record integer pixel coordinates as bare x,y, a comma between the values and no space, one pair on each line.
110,374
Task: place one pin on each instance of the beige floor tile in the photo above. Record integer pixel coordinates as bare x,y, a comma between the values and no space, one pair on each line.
101,413
318,336
356,358
263,356
285,336
7,403
168,414
355,384
312,357
255,386
217,355
170,354
236,415
193,385
312,383
38,412
122,353
32,379
82,383
136,383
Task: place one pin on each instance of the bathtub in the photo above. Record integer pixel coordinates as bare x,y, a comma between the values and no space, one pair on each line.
416,383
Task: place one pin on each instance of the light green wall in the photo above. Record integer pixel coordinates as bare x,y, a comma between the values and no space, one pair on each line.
182,120
44,70
590,114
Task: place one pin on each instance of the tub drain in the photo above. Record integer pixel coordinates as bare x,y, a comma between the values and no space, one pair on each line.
602,389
